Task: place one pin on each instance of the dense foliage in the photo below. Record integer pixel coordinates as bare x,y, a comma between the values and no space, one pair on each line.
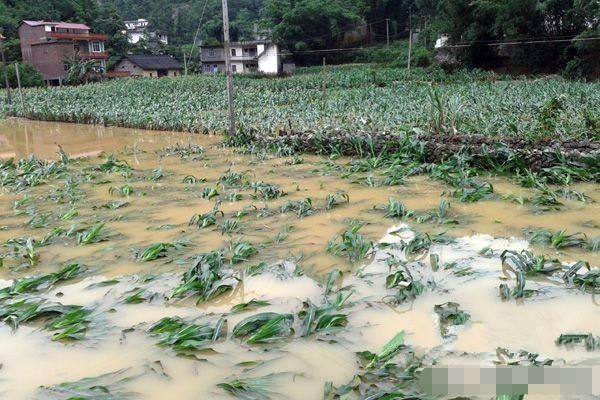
355,100
28,75
547,23
564,32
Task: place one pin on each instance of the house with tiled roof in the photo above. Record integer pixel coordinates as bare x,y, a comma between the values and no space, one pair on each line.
47,45
149,66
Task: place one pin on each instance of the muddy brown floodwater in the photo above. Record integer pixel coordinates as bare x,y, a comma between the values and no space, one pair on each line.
158,211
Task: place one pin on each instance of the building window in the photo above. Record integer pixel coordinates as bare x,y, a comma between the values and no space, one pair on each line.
233,53
206,68
234,68
96,47
211,52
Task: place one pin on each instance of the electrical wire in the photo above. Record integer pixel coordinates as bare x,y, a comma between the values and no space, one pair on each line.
195,36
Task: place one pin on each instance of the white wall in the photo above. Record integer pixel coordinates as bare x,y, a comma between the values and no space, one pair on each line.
135,37
268,58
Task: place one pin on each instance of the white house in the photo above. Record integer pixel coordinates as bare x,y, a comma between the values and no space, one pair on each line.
246,57
137,30
441,41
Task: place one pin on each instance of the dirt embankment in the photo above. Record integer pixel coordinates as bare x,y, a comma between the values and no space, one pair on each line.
535,154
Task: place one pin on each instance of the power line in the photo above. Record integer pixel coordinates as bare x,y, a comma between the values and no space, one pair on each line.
195,37
521,42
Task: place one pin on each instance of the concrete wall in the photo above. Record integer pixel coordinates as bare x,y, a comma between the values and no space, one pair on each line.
269,59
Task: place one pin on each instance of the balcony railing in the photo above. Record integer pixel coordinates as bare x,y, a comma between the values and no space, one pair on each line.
94,56
78,36
245,57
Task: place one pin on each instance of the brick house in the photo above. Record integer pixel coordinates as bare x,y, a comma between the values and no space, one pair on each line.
246,57
149,66
46,45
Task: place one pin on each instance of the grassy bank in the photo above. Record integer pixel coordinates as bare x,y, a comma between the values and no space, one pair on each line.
356,100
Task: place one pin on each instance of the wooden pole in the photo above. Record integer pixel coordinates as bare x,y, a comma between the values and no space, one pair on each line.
324,78
409,37
6,83
19,86
228,71
387,31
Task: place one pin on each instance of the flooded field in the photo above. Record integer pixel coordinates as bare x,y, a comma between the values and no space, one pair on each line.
169,266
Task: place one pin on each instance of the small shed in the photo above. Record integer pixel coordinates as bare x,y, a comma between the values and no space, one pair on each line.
150,66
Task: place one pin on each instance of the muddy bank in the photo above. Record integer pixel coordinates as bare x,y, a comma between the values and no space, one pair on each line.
534,154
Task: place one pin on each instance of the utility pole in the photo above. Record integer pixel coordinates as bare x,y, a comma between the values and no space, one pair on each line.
19,86
228,69
387,31
409,36
324,78
7,85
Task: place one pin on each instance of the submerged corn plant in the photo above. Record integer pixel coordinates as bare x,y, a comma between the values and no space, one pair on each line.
233,179
389,350
589,341
207,278
265,327
302,208
439,216
111,164
208,193
70,320
230,226
240,251
206,220
351,245
92,235
104,387
249,306
252,388
191,151
266,191
417,247
529,263
186,337
325,319
395,209
42,282
160,250
26,249
559,239
123,191
589,281
405,286
450,315
336,199
473,191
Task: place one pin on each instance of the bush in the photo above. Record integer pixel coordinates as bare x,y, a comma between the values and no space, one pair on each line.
396,53
422,57
30,77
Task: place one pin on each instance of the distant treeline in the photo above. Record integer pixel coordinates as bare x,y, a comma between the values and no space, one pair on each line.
547,35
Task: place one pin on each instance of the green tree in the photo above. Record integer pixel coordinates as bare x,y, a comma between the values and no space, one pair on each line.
310,24
28,75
